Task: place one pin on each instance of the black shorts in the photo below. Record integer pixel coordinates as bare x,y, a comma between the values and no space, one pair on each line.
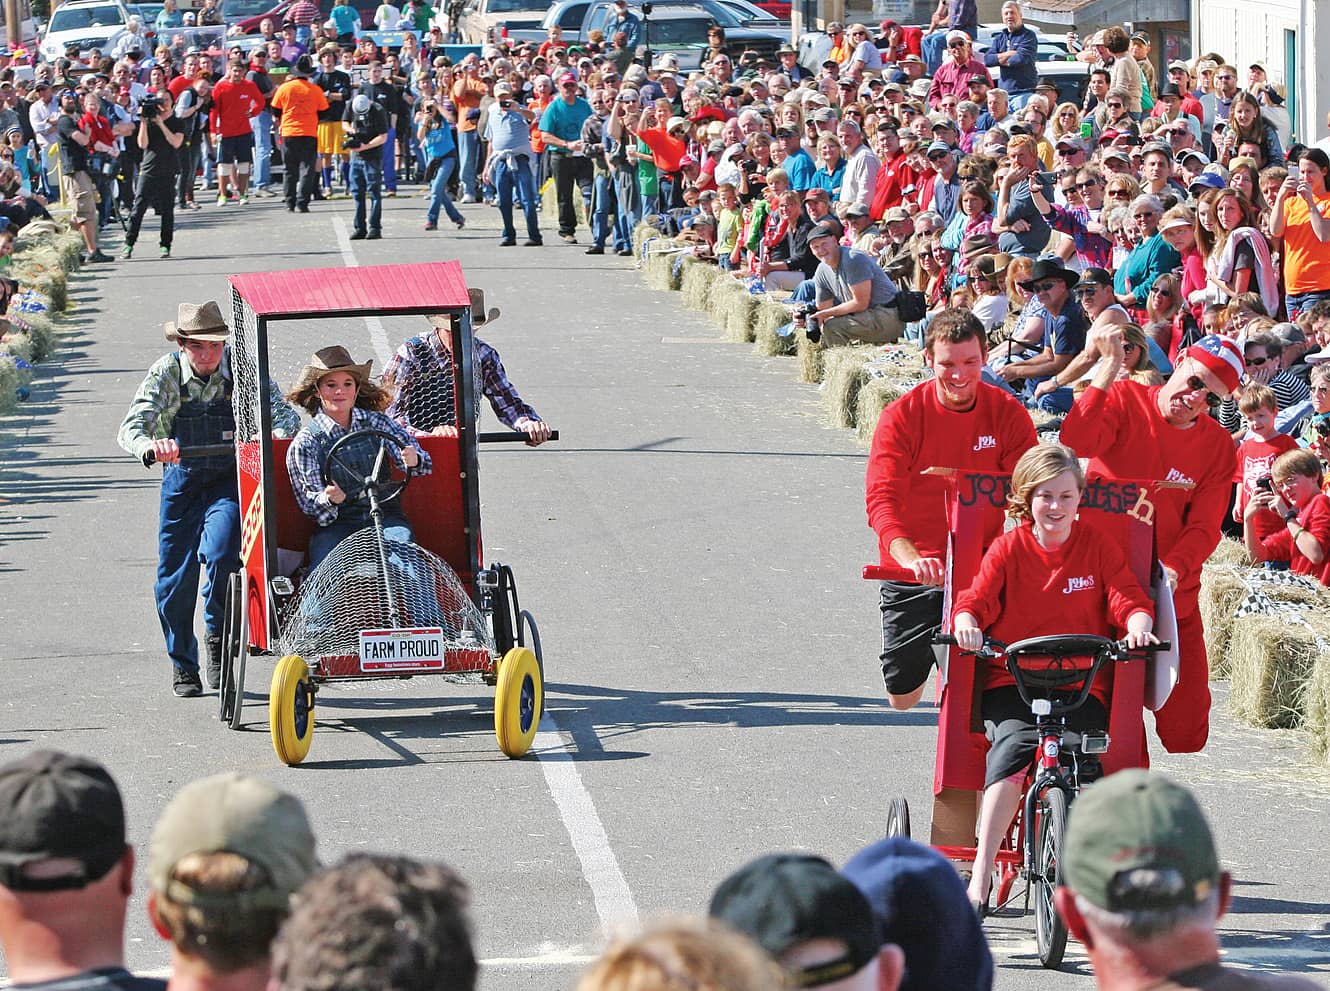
1009,726
911,615
237,149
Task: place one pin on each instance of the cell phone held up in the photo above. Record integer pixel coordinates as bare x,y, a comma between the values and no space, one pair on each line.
1265,484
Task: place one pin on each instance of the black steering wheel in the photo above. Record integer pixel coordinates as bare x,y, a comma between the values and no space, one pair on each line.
388,488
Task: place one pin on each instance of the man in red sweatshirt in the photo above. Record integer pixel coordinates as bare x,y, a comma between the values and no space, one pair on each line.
234,101
954,421
1136,432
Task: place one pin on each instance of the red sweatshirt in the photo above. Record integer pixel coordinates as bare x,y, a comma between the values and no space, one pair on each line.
233,104
1023,590
918,432
892,180
1255,459
1315,519
1126,437
666,150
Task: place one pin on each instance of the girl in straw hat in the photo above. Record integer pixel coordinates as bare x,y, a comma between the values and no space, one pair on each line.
343,399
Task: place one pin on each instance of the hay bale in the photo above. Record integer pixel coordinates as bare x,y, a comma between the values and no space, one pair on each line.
1230,552
697,281
43,269
811,368
641,234
843,375
874,396
659,268
19,344
731,306
1316,709
39,328
768,318
1222,588
1271,662
9,383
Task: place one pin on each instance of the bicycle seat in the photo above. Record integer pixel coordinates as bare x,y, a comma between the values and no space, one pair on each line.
1060,645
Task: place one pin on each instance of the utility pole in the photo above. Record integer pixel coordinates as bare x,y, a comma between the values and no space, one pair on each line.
14,24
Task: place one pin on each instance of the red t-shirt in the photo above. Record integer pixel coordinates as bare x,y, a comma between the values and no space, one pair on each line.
1126,437
1023,590
917,432
893,179
233,104
1315,519
1255,459
177,86
666,150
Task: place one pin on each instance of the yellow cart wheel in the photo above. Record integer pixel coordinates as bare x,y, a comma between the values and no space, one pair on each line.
519,698
291,709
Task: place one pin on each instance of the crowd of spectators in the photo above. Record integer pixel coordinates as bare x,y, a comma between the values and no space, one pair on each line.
236,891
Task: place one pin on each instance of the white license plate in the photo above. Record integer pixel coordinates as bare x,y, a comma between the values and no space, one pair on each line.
401,650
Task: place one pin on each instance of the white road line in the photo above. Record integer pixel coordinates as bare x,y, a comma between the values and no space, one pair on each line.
377,335
614,900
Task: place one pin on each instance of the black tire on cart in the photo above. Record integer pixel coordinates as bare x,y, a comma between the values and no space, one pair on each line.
237,682
898,818
528,635
1051,829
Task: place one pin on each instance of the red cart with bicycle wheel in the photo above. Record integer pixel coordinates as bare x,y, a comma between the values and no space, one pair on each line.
373,609
975,505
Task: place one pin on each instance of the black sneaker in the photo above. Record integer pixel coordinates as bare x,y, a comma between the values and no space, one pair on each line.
98,256
508,242
186,684
531,242
595,249
625,252
375,235
358,235
214,648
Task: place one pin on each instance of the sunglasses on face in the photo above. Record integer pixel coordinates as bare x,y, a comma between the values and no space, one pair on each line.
1257,362
1085,291
1144,215
1115,106
1119,194
1161,291
1195,384
1044,286
1128,347
956,44
1068,152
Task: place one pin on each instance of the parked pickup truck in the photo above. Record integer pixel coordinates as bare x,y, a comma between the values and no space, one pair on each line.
671,26
485,21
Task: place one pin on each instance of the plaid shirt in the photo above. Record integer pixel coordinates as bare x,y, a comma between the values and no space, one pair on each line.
407,363
171,381
304,459
1093,250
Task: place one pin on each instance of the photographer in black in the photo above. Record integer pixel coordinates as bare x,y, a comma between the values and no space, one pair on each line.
366,125
191,111
160,137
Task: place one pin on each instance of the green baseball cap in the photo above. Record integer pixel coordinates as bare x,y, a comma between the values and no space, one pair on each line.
233,813
1137,840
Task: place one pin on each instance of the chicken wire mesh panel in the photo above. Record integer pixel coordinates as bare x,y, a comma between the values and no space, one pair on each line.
347,593
245,382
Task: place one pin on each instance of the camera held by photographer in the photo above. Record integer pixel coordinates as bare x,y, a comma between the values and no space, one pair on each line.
366,126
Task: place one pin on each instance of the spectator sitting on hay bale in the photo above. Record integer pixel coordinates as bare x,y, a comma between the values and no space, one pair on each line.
1295,496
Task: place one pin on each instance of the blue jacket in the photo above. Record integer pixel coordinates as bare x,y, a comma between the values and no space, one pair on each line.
1020,74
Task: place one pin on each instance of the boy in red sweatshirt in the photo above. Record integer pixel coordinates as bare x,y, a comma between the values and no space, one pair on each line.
1257,453
1135,432
1303,538
1050,575
956,420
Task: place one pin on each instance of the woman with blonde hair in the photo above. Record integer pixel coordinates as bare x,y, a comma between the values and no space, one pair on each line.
1066,122
685,955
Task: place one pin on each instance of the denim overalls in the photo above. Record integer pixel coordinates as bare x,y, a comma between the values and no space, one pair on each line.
199,524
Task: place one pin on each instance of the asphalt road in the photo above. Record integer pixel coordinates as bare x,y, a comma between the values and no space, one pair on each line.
691,549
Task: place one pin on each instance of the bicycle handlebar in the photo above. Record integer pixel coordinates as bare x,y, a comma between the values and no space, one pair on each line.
200,451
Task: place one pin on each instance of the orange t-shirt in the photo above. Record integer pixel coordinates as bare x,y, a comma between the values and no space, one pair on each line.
1306,259
299,101
537,135
467,95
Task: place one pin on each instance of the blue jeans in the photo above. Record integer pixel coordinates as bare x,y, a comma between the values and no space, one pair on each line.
390,161
262,128
468,150
199,524
1297,302
516,178
934,48
604,208
438,193
629,211
367,180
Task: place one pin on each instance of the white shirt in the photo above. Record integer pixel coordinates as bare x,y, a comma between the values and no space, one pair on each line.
42,118
387,17
861,170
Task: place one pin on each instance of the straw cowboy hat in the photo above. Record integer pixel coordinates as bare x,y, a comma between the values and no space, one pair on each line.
333,359
479,315
197,322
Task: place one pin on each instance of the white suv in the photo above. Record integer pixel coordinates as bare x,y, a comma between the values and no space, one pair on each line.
86,23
